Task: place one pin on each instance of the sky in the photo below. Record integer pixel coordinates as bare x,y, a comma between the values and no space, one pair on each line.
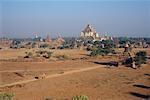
24,18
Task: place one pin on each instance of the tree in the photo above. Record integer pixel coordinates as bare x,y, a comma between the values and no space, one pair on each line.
108,43
108,47
140,58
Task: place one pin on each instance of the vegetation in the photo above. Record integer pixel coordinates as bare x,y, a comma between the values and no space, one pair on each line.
94,51
128,62
44,46
41,52
48,99
62,57
123,41
49,54
44,53
28,54
102,48
140,58
80,97
15,44
6,96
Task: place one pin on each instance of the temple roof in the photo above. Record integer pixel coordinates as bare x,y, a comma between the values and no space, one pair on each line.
89,28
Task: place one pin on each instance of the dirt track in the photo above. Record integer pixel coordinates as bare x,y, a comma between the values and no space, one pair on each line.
50,76
67,78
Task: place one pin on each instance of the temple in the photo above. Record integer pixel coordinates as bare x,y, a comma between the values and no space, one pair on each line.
89,32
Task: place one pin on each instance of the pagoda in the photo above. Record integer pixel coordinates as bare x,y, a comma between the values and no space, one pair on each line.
89,32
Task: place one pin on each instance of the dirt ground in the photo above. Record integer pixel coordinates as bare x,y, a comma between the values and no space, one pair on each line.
100,82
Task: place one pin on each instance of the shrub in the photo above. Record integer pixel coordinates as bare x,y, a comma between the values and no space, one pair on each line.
48,99
94,51
62,57
45,54
128,62
28,54
41,52
101,51
44,46
140,58
6,96
80,97
49,54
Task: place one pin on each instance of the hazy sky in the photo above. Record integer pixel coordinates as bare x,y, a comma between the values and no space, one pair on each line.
22,18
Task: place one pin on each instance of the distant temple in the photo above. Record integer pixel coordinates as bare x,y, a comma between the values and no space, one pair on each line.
89,32
48,39
5,42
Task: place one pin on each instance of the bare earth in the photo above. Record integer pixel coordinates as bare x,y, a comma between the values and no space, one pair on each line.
66,78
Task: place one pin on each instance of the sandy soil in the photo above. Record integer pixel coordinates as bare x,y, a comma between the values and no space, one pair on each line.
98,84
15,53
31,69
73,78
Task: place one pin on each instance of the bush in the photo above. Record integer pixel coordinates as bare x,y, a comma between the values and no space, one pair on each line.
45,54
44,46
62,57
80,97
28,54
6,96
94,51
41,52
140,58
128,62
49,54
48,99
101,51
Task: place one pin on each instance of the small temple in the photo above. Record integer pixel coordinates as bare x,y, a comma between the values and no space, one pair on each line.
48,39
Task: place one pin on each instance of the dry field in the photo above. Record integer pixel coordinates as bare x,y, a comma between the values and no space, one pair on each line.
74,76
14,53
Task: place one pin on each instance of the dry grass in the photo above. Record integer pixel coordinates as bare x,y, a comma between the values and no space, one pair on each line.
98,84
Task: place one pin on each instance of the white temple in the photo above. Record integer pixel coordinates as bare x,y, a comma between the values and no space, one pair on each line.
89,32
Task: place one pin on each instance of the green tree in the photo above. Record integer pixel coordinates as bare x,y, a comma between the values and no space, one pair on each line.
105,47
140,58
94,51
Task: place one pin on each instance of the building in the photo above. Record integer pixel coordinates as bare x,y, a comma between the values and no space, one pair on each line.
5,42
48,39
89,32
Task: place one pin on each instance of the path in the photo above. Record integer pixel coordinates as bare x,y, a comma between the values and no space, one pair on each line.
28,70
51,76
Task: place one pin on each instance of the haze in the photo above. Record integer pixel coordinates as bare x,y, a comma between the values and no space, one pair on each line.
20,19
